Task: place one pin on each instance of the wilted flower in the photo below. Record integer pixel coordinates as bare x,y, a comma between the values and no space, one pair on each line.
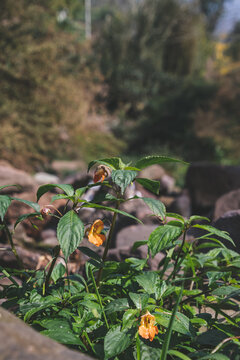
100,174
94,234
45,211
147,329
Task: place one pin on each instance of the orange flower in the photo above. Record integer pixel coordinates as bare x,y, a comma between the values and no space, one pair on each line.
100,174
94,236
147,329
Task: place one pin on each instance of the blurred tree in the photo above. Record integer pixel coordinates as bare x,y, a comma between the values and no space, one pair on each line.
233,49
212,9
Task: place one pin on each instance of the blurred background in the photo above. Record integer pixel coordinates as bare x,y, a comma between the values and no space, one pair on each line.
84,79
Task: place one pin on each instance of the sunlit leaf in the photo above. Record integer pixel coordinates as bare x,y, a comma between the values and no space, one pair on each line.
67,189
152,160
123,178
5,201
151,185
162,236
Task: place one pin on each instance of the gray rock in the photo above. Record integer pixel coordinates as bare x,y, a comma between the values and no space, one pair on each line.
181,205
44,178
10,175
227,202
230,222
207,182
129,235
78,179
20,342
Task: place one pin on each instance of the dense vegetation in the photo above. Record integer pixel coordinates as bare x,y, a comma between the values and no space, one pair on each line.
188,308
148,81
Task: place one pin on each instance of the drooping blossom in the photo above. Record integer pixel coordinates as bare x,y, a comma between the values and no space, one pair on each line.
94,234
147,329
100,174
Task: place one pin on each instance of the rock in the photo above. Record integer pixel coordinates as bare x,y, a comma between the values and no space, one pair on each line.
227,202
78,179
181,205
129,235
61,166
207,182
42,178
20,342
10,175
157,173
230,222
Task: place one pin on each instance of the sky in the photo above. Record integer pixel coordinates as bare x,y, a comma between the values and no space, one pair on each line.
230,16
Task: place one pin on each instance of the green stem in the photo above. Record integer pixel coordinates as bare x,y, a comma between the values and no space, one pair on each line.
178,263
56,254
108,243
99,297
89,342
9,236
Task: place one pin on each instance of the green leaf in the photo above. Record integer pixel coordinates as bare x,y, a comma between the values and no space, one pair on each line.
123,178
5,186
216,356
149,281
61,196
58,272
68,189
176,216
152,160
148,352
162,236
137,244
139,300
26,216
129,318
117,305
226,290
70,232
181,322
5,201
198,218
213,230
90,253
114,163
116,341
157,207
151,185
178,354
33,205
97,206
38,308
60,330
80,191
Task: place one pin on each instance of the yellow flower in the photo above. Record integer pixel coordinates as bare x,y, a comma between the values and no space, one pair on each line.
94,236
100,174
147,329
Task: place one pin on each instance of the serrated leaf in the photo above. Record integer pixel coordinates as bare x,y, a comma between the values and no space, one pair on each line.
33,205
181,322
70,232
80,191
129,318
157,207
26,216
68,189
226,291
114,163
152,160
116,341
97,206
117,305
162,236
149,281
213,230
176,216
123,178
139,300
58,272
151,185
5,201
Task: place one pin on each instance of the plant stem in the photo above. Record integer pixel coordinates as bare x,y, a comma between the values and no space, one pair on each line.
56,254
99,297
108,243
9,236
177,263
